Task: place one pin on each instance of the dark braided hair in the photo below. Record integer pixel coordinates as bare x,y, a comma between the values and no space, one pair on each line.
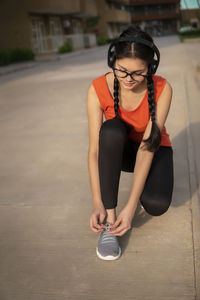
145,53
116,88
128,126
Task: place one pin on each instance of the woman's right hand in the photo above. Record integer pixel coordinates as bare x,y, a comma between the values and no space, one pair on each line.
97,218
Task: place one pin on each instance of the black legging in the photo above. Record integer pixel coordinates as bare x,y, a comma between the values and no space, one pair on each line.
117,152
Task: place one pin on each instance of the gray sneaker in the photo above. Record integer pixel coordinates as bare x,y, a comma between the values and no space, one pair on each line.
108,247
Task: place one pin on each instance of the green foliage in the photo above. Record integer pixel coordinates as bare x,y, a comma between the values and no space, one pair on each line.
66,47
15,55
101,40
110,40
19,54
4,57
190,33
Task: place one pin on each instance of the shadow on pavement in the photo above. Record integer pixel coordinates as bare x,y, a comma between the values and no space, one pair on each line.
181,174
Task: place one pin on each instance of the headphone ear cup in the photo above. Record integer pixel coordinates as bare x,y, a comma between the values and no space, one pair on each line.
111,59
153,67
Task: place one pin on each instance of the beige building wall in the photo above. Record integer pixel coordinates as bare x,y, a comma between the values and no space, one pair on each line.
14,25
112,18
19,21
88,8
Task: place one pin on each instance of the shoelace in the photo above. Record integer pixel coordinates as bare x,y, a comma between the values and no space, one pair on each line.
107,238
107,227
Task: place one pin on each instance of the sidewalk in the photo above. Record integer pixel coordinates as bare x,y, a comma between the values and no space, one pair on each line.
47,247
14,67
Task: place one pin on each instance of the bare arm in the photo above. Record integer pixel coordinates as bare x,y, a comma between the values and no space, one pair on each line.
95,119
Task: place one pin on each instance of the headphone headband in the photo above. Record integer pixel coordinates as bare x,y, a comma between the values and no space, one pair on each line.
154,64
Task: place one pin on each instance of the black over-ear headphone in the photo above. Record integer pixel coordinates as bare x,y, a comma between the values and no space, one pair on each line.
152,66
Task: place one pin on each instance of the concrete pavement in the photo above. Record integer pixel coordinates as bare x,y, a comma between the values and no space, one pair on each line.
19,66
47,248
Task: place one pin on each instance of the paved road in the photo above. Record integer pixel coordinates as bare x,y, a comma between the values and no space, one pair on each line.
47,248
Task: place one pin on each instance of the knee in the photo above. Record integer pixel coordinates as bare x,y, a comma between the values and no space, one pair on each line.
156,206
112,131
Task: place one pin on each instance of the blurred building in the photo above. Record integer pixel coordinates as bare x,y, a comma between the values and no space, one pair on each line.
158,17
44,25
114,17
190,13
191,17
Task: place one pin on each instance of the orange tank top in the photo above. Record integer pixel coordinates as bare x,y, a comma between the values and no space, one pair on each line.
138,117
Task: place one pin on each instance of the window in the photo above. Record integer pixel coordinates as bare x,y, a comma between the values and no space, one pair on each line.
56,32
39,41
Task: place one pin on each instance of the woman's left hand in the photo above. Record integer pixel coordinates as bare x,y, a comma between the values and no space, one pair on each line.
123,222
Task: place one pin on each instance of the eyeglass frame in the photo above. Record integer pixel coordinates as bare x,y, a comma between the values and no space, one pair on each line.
127,73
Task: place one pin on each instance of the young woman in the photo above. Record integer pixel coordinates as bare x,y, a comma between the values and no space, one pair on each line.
132,139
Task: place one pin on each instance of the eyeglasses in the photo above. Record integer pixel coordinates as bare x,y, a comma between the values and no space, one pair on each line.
134,75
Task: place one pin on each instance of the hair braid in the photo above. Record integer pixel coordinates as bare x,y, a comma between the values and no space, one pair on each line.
154,140
116,99
128,126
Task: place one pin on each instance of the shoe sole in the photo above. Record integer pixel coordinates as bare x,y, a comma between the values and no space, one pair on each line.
108,257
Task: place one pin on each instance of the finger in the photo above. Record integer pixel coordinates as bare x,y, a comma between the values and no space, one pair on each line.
117,230
116,224
102,218
101,221
100,226
122,232
95,227
96,223
103,226
92,227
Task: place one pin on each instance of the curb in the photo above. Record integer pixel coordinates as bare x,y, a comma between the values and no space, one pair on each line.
195,40
198,70
43,59
57,56
12,68
194,198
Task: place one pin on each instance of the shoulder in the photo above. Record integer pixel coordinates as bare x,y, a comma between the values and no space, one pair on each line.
92,97
100,89
162,86
95,83
98,80
161,81
91,93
